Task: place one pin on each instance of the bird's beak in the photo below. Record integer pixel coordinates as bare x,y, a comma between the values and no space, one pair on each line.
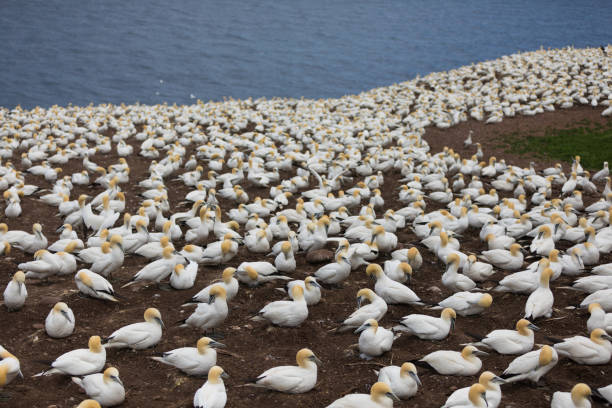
211,299
484,397
316,360
453,323
66,315
216,344
224,375
392,396
480,353
118,380
415,377
533,327
160,321
359,300
363,327
499,380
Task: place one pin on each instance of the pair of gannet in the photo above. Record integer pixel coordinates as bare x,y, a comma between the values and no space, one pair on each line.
157,270
336,272
220,252
461,397
227,282
404,381
452,279
391,291
375,309
311,289
183,277
211,314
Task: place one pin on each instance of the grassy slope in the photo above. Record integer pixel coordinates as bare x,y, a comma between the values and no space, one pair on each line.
593,142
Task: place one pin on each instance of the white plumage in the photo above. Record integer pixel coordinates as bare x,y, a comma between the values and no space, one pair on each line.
138,336
292,379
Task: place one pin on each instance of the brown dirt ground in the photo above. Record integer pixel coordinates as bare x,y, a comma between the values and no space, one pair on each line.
256,347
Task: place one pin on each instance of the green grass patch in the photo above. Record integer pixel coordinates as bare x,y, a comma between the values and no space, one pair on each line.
592,142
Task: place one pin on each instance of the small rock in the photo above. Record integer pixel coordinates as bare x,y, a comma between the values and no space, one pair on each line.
38,326
434,289
319,256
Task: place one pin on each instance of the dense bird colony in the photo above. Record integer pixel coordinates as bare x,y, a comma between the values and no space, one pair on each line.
270,209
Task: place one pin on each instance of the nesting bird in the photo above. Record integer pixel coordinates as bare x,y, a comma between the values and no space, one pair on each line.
15,293
80,361
60,321
291,379
192,360
106,388
138,336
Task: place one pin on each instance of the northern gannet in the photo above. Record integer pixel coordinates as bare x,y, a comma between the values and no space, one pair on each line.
212,393
373,340
428,327
138,336
15,293
291,379
380,396
404,381
106,388
80,361
60,321
448,362
192,360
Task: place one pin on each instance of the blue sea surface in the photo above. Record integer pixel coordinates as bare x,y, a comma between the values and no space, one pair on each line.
69,51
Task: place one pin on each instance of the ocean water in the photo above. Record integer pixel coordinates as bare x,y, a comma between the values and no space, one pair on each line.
69,51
